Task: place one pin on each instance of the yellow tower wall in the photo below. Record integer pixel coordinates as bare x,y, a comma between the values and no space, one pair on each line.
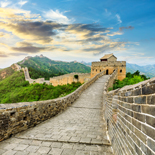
98,67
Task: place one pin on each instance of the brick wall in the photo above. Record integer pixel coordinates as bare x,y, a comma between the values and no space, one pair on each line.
110,66
69,78
18,117
130,116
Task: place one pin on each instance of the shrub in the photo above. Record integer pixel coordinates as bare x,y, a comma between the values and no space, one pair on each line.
129,80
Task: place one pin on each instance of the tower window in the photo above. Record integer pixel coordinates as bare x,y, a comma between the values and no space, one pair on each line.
121,71
96,70
100,70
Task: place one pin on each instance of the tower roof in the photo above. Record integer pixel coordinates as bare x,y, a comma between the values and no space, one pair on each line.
107,56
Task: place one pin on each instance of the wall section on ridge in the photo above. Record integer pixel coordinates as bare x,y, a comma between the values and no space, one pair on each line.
69,78
130,116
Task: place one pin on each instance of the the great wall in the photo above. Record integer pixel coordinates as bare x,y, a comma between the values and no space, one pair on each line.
58,80
95,121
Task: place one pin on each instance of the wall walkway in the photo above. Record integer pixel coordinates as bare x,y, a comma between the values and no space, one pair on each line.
79,130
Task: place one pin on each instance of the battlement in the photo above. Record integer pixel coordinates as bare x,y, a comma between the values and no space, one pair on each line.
130,116
110,64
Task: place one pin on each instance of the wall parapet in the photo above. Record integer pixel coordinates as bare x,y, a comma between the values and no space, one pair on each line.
17,117
130,116
109,63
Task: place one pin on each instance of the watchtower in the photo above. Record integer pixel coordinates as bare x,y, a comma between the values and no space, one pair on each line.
109,63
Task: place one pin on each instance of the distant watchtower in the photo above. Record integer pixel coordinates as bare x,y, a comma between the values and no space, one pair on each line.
109,63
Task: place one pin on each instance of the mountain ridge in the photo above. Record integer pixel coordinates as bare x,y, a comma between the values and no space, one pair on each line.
43,67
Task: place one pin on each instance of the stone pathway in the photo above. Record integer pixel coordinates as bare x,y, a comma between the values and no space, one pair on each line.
79,130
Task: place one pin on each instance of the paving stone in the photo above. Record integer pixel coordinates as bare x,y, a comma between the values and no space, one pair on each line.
82,153
97,141
21,147
43,150
3,145
22,153
2,151
36,142
79,146
9,152
46,144
56,151
67,145
65,138
97,153
85,140
68,152
26,141
91,136
75,139
10,146
56,144
91,148
32,149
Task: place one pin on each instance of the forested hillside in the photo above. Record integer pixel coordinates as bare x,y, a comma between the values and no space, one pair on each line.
129,80
15,89
6,72
40,67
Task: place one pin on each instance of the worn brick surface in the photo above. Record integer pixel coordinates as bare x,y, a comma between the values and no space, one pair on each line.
131,120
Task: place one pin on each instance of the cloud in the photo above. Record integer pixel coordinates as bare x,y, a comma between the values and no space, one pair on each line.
3,44
107,13
105,48
5,35
118,18
1,34
21,3
57,16
86,27
40,32
3,54
17,54
115,33
34,34
9,15
128,27
85,31
27,47
4,4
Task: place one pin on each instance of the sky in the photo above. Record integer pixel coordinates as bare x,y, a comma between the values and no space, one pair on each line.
82,30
